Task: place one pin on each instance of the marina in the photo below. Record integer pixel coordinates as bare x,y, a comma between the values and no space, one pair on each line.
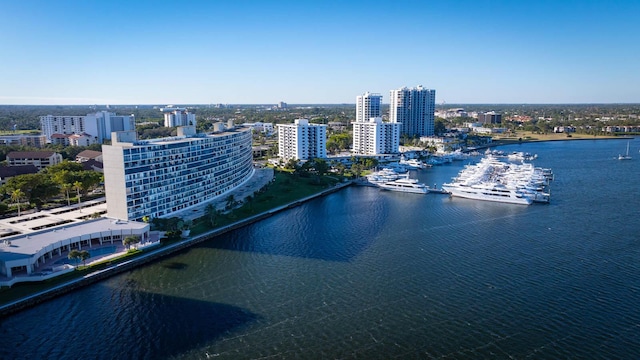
494,180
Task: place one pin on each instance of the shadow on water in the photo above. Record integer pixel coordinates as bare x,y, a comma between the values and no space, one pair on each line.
151,326
174,265
323,228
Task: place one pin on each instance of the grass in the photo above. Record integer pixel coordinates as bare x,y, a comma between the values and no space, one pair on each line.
285,188
528,136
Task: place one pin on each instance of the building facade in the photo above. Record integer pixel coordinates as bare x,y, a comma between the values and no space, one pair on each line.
178,117
376,137
99,125
39,159
302,141
414,108
490,118
368,106
159,177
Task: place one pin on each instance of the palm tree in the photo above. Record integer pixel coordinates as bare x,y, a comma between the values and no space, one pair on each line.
66,187
78,186
84,255
74,254
16,196
130,240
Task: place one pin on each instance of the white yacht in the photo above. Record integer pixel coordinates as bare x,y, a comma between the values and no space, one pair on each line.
404,184
494,180
488,192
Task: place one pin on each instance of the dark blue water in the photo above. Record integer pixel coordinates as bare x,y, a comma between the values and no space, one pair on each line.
369,274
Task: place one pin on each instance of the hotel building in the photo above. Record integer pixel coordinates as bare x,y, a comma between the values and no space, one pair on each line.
368,106
99,125
414,108
302,141
159,177
376,137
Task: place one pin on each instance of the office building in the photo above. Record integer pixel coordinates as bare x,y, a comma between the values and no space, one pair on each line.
159,177
376,137
414,108
302,141
368,106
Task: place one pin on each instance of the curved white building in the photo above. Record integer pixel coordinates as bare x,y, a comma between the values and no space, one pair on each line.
158,177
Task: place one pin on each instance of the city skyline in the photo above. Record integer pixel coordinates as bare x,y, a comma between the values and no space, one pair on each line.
84,52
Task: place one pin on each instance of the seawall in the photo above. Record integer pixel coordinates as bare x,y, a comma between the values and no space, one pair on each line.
152,255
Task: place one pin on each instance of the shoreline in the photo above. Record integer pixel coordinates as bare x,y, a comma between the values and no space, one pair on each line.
152,255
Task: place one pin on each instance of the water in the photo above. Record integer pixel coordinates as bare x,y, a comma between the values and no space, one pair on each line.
370,274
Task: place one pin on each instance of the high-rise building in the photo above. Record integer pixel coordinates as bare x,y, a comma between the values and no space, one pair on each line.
375,137
413,108
158,177
178,117
368,106
99,125
302,141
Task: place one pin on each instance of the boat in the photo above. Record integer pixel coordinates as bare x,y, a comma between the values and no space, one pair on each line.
413,164
488,192
405,184
494,180
626,156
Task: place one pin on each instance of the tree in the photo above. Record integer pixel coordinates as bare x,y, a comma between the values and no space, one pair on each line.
78,186
66,187
74,255
211,213
231,202
16,196
130,240
84,255
321,166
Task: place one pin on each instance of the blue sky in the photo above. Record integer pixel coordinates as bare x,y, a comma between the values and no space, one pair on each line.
262,52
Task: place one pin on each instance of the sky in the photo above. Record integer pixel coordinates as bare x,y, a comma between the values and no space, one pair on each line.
89,52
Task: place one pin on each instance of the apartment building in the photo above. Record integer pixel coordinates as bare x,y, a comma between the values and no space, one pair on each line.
368,106
39,159
302,141
376,137
99,125
159,177
414,108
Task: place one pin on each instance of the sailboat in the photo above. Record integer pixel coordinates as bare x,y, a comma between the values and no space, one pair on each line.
625,157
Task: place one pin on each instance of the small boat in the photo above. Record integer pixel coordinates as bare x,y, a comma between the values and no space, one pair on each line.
626,156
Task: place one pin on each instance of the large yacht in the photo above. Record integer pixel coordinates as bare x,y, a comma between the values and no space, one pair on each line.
489,192
493,180
404,184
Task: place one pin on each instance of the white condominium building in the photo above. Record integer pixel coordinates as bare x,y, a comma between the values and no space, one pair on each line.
178,117
376,137
414,108
158,177
99,125
368,106
302,141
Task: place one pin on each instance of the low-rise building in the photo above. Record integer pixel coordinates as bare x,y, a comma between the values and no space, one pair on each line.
25,253
39,159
